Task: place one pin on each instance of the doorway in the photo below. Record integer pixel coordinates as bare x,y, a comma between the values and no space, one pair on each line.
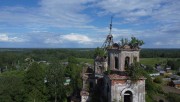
128,96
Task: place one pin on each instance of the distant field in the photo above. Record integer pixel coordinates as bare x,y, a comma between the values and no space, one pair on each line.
153,61
145,61
91,61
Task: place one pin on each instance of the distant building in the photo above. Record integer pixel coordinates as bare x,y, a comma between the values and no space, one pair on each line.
154,74
67,81
176,84
175,77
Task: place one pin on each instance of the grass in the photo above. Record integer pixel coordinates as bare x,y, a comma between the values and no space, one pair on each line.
85,60
153,61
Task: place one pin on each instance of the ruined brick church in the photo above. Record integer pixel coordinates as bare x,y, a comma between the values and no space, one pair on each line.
116,86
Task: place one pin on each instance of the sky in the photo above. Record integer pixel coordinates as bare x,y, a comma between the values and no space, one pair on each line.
85,23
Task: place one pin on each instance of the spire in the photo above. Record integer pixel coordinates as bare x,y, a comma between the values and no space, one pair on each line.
110,27
109,39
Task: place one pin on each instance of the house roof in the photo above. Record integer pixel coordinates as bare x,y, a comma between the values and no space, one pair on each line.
176,82
175,76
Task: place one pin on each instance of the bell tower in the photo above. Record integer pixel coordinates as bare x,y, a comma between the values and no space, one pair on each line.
117,84
122,87
121,57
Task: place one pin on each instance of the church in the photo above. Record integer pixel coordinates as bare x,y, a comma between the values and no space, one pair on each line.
110,76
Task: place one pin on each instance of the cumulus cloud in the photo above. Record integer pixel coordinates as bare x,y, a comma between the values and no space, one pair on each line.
72,37
6,38
76,37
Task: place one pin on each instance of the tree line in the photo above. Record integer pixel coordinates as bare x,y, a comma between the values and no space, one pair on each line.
163,53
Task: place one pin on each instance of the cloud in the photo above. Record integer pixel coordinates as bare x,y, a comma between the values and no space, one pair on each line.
129,8
136,10
54,13
77,38
52,21
168,41
6,38
72,37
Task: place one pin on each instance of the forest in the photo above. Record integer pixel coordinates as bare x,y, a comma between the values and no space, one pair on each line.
39,75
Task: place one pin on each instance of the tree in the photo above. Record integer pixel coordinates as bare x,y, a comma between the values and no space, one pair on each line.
73,70
34,84
158,80
11,87
175,64
124,42
135,71
150,69
135,43
55,82
99,52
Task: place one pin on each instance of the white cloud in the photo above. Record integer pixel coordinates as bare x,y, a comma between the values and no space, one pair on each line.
77,38
72,37
128,6
160,10
6,38
56,13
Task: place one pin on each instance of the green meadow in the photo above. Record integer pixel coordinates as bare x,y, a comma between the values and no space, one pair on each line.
153,61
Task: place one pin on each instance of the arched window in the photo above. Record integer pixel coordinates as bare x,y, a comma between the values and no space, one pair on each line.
128,96
127,62
116,63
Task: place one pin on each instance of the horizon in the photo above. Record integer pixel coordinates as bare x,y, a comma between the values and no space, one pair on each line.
85,48
85,23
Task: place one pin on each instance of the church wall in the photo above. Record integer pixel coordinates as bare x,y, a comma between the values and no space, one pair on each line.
121,55
131,55
119,87
100,67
